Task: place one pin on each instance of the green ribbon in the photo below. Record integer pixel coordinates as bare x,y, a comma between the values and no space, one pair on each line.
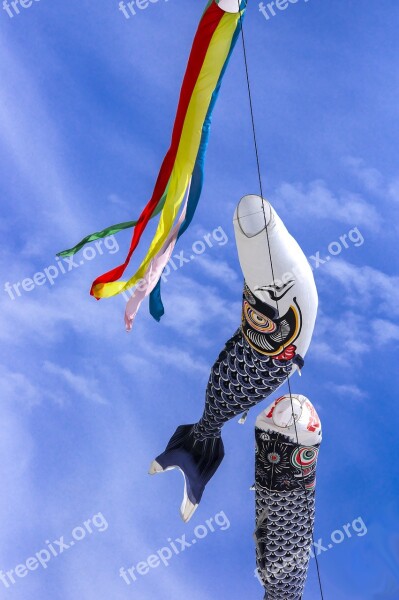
111,230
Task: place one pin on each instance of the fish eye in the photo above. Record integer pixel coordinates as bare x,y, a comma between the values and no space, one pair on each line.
257,320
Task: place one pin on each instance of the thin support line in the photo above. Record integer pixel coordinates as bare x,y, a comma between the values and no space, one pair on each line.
272,269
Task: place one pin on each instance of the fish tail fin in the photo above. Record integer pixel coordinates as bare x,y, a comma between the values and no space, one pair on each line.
198,459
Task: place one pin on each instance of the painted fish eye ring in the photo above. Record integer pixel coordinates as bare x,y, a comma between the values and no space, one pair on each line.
258,321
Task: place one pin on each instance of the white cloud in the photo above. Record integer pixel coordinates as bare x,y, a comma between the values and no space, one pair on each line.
154,353
191,306
110,474
342,342
83,386
17,387
318,201
138,365
178,358
44,315
348,391
32,144
218,269
367,287
393,190
372,179
369,301
115,199
18,502
385,331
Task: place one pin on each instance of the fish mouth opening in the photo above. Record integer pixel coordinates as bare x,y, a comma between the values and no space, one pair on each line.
253,214
231,6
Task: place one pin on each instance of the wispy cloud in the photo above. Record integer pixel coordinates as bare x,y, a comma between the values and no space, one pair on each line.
44,315
118,201
366,286
342,342
17,455
348,391
155,355
218,269
35,150
16,387
178,358
192,308
372,179
82,386
316,200
385,331
87,101
369,301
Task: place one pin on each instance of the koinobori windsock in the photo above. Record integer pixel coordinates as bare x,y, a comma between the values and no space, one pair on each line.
181,173
280,296
287,441
260,356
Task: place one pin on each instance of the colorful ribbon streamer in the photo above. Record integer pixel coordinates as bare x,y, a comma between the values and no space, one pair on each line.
184,162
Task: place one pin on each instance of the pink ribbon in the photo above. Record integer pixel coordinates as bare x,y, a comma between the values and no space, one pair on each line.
154,271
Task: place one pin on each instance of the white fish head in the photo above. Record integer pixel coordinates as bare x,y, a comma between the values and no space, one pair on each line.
277,274
294,416
230,6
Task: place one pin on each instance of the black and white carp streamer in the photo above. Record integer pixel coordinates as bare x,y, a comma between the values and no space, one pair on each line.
287,438
268,347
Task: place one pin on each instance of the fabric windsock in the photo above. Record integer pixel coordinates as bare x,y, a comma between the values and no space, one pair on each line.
288,436
279,308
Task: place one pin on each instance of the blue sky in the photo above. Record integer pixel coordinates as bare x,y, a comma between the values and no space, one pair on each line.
87,101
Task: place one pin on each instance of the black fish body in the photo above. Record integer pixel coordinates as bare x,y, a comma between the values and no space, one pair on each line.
278,316
285,482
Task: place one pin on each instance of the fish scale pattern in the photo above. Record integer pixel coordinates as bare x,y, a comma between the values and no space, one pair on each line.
284,524
240,378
